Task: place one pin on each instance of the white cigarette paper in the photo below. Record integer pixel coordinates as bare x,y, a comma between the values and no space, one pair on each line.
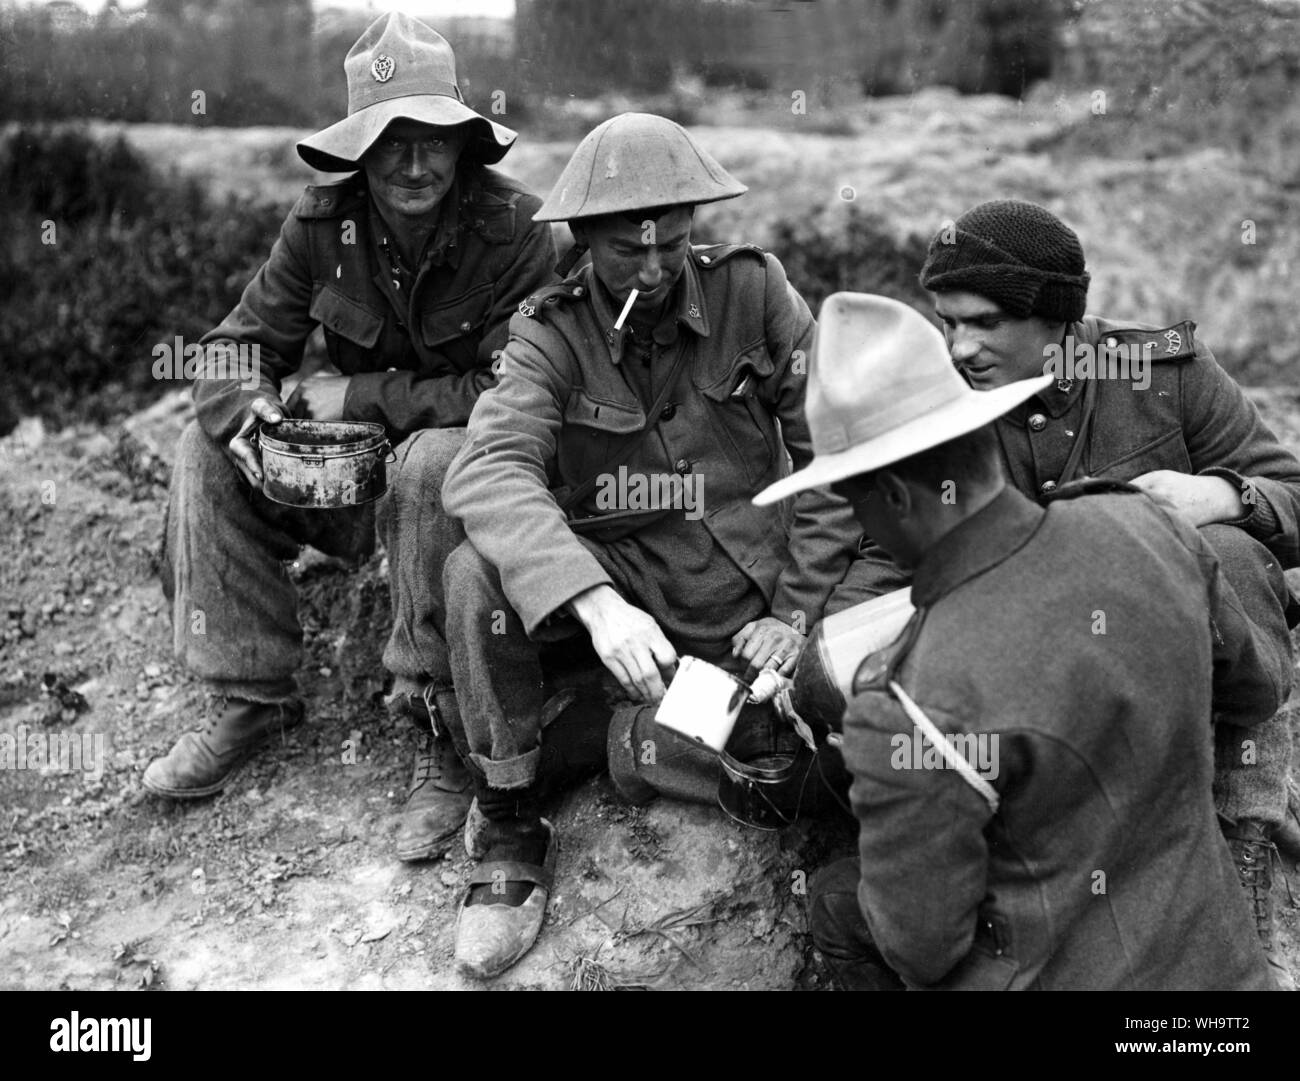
631,299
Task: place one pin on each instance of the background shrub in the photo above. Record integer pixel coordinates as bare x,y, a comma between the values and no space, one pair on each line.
137,258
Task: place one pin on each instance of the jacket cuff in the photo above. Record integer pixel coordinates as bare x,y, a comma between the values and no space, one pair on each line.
542,592
1260,520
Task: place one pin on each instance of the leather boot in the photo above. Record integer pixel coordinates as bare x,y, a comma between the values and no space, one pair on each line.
441,788
203,762
1253,854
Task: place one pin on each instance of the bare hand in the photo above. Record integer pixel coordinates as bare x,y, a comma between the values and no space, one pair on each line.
768,639
628,641
1201,500
319,397
241,451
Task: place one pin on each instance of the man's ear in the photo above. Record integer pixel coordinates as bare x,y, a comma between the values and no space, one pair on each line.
894,492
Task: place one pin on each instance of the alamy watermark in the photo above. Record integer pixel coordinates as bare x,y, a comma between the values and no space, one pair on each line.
226,361
651,491
1083,360
54,752
915,751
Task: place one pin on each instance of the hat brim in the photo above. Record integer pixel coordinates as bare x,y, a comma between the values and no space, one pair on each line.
340,147
958,418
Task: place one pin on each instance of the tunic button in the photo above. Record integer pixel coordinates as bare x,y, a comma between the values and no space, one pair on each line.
705,259
683,466
466,327
1047,486
577,290
1037,422
1112,342
669,412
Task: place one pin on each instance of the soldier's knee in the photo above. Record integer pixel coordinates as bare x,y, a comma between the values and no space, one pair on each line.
422,460
202,474
1246,563
469,579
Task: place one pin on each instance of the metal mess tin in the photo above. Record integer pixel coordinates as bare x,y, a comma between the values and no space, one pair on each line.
323,464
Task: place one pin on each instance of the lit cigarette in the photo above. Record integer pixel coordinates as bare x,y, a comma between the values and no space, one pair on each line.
631,299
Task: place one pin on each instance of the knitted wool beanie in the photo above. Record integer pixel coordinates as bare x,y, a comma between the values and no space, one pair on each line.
1019,255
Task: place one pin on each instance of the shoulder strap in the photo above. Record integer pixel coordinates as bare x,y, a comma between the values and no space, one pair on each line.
948,752
1085,428
589,485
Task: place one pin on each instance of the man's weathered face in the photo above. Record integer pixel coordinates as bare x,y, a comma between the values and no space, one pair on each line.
412,165
991,347
646,254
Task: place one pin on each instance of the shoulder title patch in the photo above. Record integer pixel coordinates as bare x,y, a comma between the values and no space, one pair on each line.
1171,343
549,298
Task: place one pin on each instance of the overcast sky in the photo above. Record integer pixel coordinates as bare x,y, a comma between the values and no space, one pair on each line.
433,9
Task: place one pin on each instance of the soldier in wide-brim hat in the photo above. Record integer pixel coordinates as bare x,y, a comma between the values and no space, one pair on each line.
412,266
1031,757
1136,402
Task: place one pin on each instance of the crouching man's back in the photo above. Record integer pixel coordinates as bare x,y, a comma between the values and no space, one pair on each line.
1093,727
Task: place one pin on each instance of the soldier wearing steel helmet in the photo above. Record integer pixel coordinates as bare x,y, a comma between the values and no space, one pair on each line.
663,364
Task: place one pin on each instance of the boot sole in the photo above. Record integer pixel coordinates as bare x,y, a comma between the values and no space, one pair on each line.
192,793
434,849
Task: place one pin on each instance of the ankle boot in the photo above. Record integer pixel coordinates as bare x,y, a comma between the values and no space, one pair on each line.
203,762
441,789
1253,854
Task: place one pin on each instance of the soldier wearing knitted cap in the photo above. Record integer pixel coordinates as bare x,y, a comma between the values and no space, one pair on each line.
412,266
604,489
1128,401
1022,828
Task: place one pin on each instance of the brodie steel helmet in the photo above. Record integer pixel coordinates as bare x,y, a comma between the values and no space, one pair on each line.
635,161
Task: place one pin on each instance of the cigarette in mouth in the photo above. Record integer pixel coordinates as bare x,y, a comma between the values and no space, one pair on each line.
631,299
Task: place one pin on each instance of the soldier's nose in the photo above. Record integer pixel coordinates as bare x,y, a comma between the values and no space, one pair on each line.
418,162
652,272
963,348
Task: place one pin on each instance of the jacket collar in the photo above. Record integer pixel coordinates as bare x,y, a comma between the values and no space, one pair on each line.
689,311
985,539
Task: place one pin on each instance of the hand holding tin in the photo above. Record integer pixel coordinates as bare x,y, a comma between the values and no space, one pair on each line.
241,450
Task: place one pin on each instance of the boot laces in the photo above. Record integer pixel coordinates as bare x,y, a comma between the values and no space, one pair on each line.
1254,867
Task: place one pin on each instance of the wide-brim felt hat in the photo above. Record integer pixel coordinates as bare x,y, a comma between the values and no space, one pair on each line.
400,69
881,388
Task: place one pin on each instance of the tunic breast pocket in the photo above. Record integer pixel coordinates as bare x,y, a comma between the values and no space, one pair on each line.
1167,450
455,327
745,428
593,433
351,330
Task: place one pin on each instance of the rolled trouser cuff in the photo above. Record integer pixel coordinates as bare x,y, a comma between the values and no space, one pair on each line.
268,693
507,773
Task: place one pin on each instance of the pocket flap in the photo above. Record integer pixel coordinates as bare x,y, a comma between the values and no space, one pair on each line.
457,317
589,412
753,364
346,317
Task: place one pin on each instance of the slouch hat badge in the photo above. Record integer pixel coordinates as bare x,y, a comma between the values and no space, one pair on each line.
382,69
